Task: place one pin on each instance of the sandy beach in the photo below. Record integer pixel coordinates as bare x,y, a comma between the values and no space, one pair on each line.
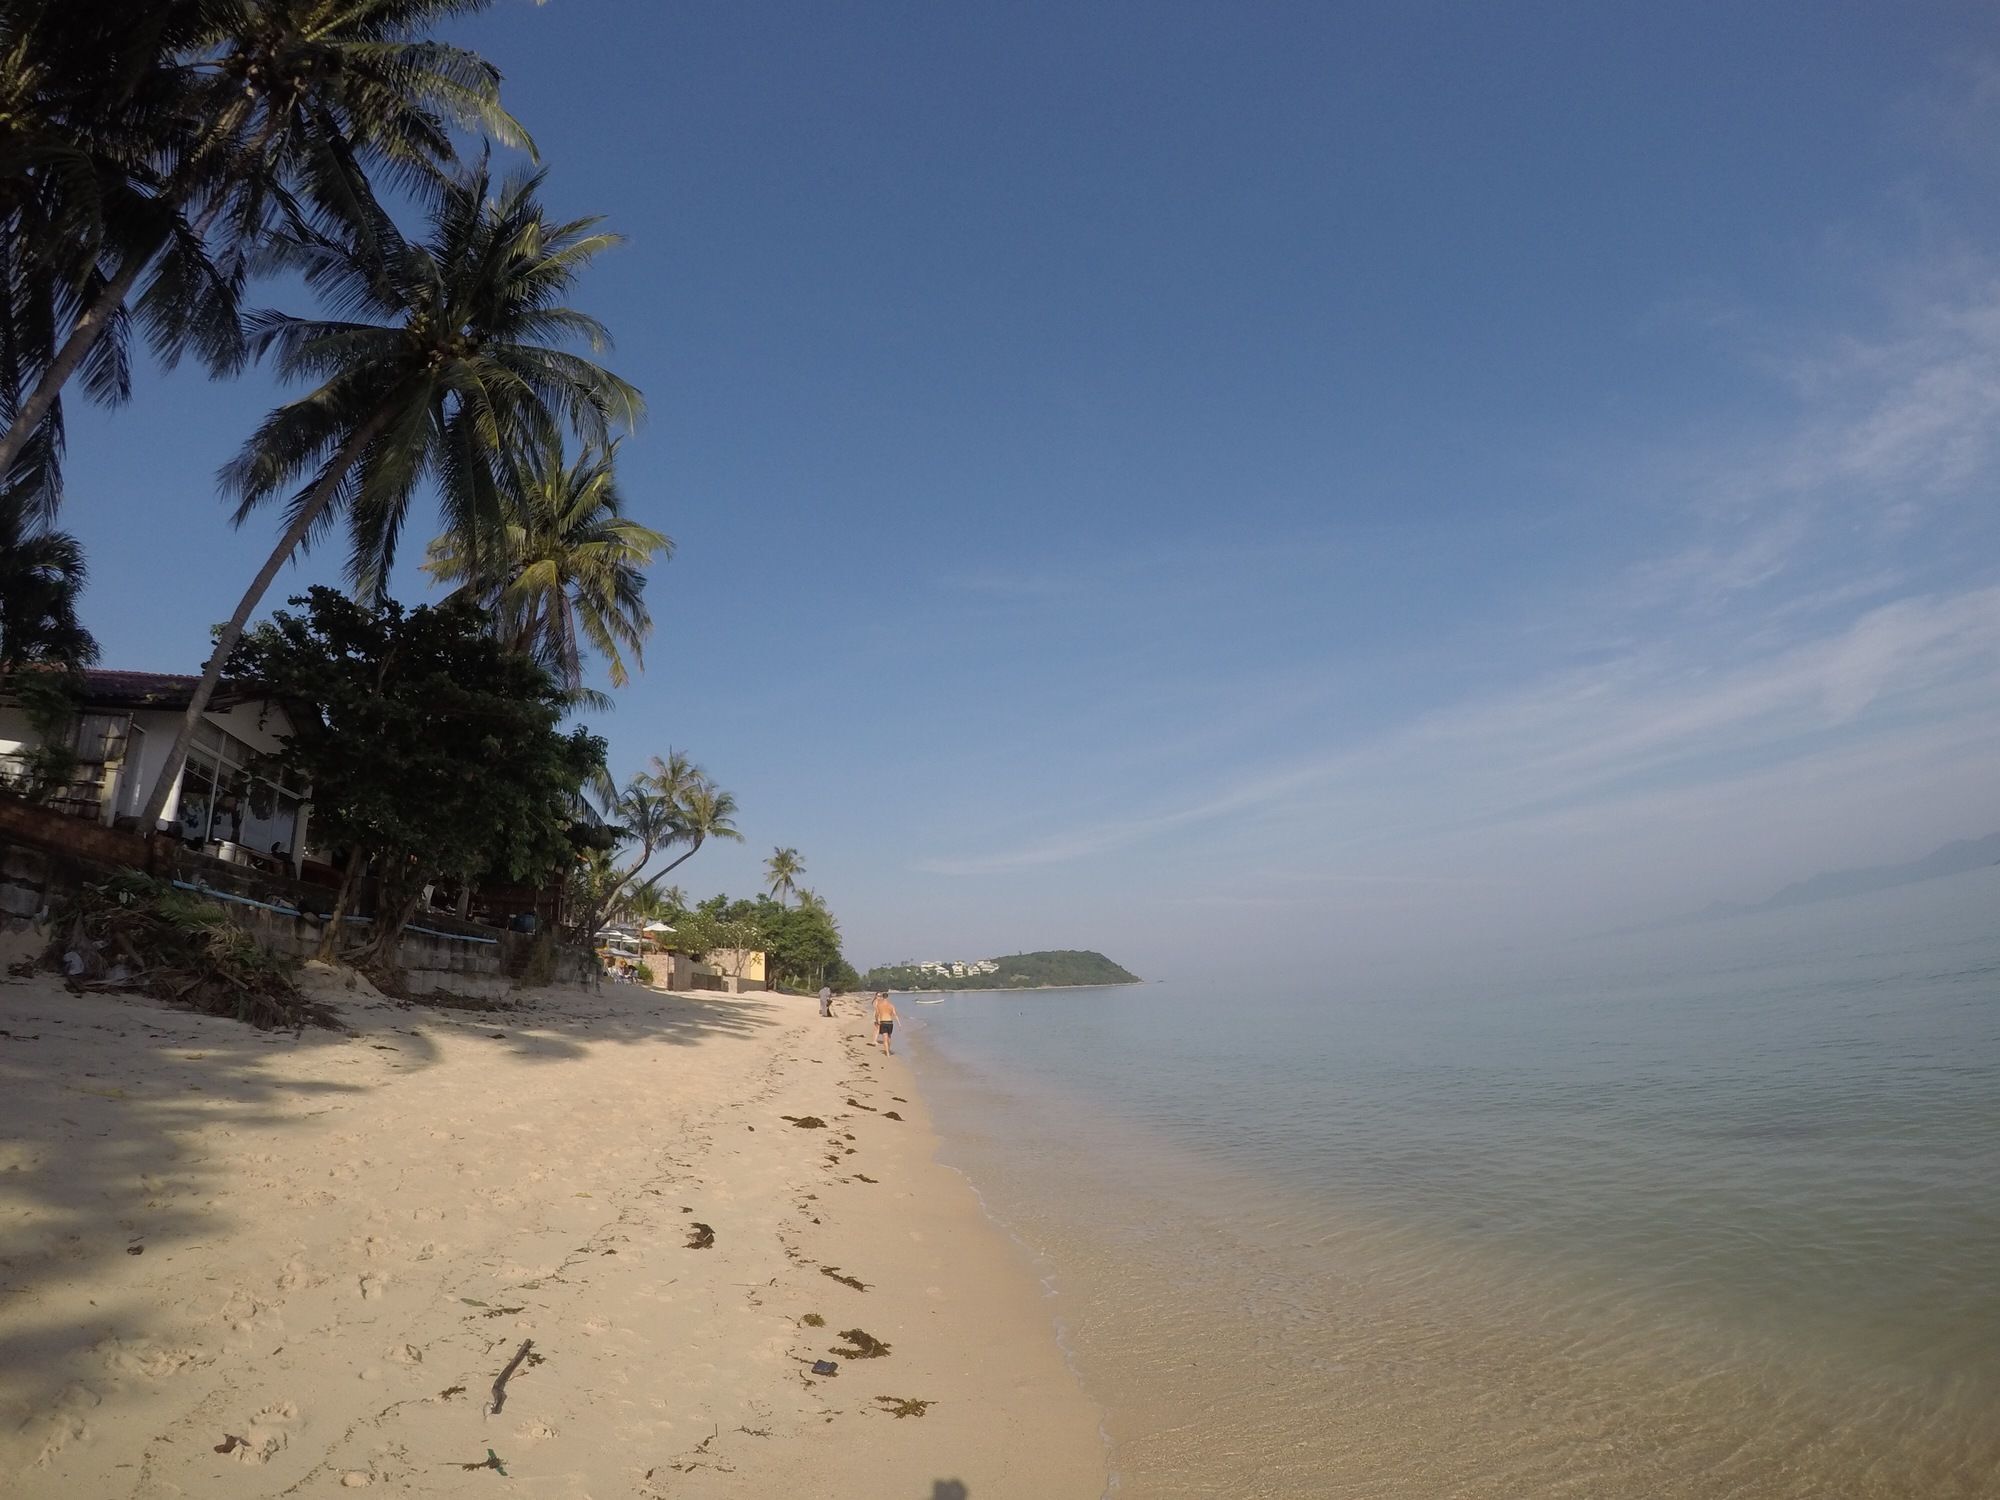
242,1264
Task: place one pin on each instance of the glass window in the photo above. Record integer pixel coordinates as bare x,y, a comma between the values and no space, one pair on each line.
270,815
198,798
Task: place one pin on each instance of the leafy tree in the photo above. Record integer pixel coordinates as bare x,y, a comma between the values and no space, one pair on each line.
139,134
781,872
460,371
48,701
567,568
427,747
801,944
41,576
43,645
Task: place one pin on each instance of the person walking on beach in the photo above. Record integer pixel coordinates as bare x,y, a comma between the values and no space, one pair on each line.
826,999
885,1020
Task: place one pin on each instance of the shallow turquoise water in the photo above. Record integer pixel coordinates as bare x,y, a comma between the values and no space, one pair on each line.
1713,1211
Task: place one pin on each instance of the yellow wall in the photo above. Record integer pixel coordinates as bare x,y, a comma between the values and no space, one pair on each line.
738,963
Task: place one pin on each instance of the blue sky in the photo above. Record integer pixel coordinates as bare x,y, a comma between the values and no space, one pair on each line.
1295,480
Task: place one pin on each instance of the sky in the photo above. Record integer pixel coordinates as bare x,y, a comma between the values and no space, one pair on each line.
1258,484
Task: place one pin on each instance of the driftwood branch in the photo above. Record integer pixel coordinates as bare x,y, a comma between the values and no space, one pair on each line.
500,1385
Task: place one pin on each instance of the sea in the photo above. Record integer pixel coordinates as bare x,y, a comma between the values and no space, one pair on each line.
1711,1211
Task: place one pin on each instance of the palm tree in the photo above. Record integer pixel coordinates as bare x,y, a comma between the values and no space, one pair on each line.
671,778
781,871
41,574
646,906
566,568
199,114
641,815
89,104
461,369
704,812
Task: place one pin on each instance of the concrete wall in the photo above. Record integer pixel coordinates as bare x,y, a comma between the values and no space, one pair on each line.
745,965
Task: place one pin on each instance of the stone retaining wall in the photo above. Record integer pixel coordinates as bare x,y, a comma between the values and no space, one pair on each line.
44,855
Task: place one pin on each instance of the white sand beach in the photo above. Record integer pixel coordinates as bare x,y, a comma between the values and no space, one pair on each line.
242,1264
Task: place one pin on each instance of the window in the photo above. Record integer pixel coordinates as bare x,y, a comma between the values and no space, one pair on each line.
224,800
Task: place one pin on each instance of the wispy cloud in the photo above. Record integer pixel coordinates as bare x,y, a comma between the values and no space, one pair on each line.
1588,738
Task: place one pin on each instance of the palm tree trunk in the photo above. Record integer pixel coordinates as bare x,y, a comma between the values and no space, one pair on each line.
658,875
92,324
321,496
83,337
594,915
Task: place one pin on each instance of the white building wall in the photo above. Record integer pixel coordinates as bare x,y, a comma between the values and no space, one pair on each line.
14,731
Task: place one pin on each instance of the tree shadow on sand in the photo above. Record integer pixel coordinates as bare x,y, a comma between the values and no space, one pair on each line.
107,1103
560,1026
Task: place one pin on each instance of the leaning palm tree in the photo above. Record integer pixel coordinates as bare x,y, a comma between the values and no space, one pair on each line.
781,872
91,105
451,364
250,113
566,568
642,817
705,812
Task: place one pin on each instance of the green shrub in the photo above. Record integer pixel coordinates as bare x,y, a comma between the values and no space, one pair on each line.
645,972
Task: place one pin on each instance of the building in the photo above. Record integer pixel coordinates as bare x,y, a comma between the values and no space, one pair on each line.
745,966
226,802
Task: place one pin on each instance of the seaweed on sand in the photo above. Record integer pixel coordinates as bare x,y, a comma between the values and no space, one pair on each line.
860,1345
132,931
700,1236
853,1281
905,1406
805,1122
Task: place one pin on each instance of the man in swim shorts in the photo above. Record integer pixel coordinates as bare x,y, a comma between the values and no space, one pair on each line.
885,1020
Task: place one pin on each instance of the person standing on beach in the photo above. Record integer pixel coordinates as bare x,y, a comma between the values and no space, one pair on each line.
826,999
885,1020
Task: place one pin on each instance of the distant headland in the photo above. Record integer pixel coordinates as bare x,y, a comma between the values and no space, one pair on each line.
1056,968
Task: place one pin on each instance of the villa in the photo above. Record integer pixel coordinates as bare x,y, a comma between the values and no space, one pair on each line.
225,802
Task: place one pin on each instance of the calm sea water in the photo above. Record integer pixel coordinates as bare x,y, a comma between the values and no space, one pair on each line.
1707,1212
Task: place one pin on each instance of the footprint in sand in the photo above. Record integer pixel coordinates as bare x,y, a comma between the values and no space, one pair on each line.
295,1274
242,1313
372,1287
154,1361
268,1435
65,1422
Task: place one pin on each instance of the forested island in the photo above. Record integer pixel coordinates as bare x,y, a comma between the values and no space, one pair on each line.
1059,968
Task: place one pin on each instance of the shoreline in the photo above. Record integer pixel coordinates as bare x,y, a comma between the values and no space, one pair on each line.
1028,989
327,1248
